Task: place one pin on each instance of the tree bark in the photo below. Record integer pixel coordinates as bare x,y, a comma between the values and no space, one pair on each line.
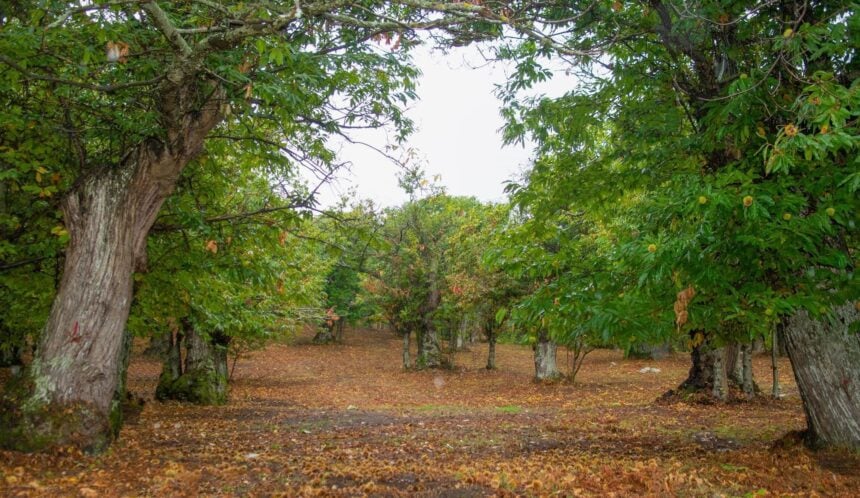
324,335
171,368
707,375
781,350
546,367
775,394
459,340
339,326
407,360
429,352
735,363
739,368
108,214
203,377
491,347
825,355
647,351
748,384
120,393
719,390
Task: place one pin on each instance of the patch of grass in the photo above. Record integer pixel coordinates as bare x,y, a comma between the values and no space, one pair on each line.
512,409
733,468
746,434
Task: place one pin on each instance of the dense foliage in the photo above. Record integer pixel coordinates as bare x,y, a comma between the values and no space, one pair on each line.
713,147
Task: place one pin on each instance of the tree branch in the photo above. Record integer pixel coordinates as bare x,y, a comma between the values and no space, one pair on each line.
161,21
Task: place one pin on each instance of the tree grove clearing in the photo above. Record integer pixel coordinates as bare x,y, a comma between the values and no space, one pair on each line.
346,420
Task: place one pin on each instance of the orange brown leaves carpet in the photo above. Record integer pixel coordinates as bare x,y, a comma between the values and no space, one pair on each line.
345,420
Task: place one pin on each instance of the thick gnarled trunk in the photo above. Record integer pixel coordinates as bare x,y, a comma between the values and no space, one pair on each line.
707,375
546,367
203,378
825,355
429,352
67,396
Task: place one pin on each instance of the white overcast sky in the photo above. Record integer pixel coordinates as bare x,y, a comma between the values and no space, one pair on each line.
457,133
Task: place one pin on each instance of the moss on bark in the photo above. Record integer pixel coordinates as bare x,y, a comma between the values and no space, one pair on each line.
203,380
30,425
202,387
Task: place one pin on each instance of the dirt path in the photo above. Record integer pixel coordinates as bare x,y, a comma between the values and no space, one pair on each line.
345,420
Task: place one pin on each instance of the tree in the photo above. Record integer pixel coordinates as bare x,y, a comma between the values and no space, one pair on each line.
477,287
351,236
726,132
414,281
225,268
134,117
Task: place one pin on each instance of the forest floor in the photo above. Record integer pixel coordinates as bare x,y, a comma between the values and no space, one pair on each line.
345,420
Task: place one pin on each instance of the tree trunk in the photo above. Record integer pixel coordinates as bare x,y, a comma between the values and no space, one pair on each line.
643,351
781,349
203,378
429,352
339,326
67,399
430,355
157,348
324,335
775,394
491,348
407,361
758,345
459,341
734,363
546,368
707,375
171,368
825,355
748,384
739,368
720,386
120,394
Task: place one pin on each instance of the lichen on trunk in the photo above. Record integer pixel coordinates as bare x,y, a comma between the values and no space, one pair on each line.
429,352
68,394
546,367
